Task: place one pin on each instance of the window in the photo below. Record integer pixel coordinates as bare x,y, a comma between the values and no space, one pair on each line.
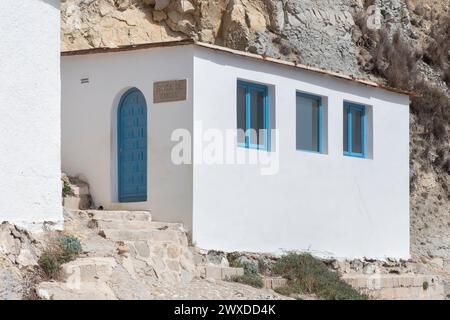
252,116
354,130
309,122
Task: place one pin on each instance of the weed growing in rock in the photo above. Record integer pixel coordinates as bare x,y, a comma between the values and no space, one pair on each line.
59,251
71,247
66,190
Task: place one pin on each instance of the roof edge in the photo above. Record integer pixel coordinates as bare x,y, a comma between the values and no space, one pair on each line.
182,42
130,47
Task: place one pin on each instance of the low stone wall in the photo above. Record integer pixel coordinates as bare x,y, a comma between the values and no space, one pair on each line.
397,287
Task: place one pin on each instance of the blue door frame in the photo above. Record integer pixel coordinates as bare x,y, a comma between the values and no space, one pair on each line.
132,147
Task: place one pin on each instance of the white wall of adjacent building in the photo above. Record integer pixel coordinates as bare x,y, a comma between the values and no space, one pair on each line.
329,204
89,126
30,185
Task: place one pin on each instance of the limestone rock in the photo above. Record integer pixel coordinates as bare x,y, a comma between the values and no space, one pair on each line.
237,33
85,291
161,4
185,6
10,281
159,16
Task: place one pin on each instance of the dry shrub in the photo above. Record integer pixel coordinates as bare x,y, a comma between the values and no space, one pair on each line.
432,107
395,60
438,46
446,76
59,250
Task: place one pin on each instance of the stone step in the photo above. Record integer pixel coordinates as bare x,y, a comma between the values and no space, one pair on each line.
274,282
435,292
397,287
137,225
220,273
166,236
77,202
80,190
84,291
120,215
379,281
88,269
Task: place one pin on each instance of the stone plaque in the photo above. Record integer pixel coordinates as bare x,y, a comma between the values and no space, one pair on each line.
167,91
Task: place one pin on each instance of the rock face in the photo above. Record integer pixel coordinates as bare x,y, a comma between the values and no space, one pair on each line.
320,33
315,32
19,253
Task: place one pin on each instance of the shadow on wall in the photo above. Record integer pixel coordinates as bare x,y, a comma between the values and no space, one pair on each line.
54,3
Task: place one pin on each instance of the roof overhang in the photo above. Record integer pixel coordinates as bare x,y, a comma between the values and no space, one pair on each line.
238,53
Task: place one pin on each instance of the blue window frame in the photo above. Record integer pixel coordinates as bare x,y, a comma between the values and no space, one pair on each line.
309,113
354,129
252,115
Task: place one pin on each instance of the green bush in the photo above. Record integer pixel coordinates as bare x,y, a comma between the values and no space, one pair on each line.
263,267
232,258
250,268
50,263
71,247
251,275
65,249
309,275
253,280
66,190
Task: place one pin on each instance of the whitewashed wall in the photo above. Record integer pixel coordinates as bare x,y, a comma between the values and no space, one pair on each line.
327,203
330,204
30,185
89,133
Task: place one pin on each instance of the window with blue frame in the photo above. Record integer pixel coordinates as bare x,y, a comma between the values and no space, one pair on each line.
309,122
252,115
354,130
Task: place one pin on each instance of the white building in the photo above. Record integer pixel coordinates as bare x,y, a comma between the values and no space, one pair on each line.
30,161
332,169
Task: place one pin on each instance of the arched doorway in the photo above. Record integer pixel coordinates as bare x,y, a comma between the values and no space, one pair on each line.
132,147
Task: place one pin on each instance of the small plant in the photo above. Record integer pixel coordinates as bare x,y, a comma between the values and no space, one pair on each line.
71,248
250,268
425,285
66,190
64,249
233,259
50,263
251,276
306,274
263,267
253,280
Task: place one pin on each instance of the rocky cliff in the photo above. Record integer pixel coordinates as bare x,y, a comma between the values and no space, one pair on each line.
404,43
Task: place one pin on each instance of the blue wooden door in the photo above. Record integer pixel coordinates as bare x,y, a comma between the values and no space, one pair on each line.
132,145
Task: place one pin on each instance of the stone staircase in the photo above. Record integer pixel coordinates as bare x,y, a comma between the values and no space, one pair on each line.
125,255
78,195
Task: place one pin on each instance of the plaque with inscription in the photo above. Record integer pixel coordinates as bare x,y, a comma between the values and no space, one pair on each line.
167,91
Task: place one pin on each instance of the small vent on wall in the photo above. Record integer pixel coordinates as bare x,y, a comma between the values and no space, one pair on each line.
84,80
